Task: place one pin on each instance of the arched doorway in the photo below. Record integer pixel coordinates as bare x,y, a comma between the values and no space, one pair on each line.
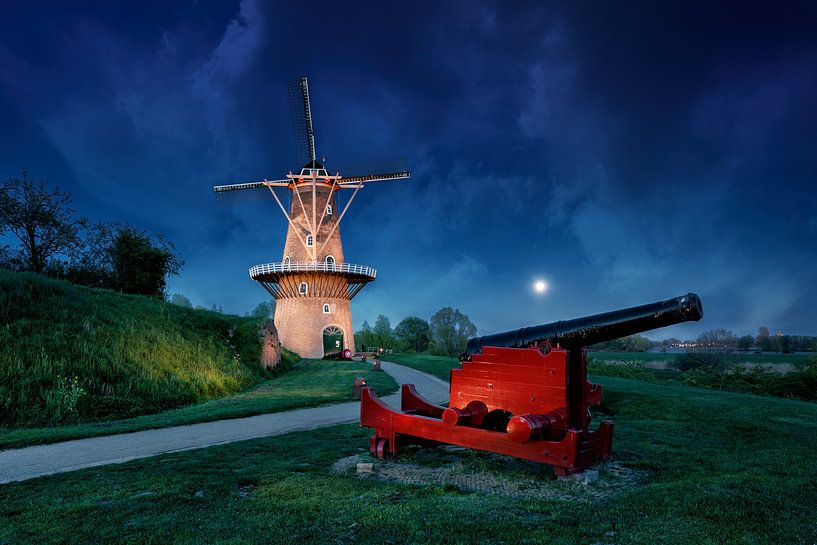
332,340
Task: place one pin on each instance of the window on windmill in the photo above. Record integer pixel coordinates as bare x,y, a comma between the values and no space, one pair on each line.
309,240
326,309
330,262
303,289
286,261
328,209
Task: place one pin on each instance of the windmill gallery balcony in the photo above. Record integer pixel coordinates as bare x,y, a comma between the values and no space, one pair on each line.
277,277
313,266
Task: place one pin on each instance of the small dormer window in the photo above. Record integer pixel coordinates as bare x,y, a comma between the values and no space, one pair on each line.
328,209
303,289
327,309
310,241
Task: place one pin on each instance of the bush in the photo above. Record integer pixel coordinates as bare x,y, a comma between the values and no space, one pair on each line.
627,369
800,384
288,359
707,360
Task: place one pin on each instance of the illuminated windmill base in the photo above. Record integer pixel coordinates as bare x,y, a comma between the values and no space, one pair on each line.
312,312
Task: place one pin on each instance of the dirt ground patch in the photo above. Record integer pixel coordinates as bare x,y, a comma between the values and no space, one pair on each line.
488,473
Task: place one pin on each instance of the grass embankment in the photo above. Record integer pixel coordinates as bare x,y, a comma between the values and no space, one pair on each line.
308,384
74,354
723,468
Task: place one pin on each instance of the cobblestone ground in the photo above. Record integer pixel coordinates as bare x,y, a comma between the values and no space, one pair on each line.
488,473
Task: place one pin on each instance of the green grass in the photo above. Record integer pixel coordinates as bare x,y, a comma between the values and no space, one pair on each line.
439,366
308,384
723,468
72,354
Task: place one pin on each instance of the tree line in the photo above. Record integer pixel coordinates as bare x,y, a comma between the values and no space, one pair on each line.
718,339
764,341
264,310
446,334
54,241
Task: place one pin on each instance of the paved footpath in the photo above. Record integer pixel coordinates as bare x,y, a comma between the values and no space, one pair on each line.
37,461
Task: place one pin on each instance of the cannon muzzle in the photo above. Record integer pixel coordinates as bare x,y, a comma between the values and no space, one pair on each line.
598,328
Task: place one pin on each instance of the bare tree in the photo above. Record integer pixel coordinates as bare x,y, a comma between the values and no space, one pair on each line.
713,353
40,218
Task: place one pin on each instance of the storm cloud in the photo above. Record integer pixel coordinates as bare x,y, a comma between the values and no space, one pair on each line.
624,154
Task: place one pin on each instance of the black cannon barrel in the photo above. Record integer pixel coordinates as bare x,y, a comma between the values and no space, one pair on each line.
599,327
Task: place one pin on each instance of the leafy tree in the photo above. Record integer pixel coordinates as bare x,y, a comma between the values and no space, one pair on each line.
413,333
773,344
631,343
180,300
766,342
785,344
93,263
364,337
636,343
265,310
120,257
40,219
383,335
746,342
450,330
141,265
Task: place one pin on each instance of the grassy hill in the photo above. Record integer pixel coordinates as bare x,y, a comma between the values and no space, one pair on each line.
70,353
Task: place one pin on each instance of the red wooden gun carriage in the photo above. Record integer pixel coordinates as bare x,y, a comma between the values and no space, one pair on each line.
523,393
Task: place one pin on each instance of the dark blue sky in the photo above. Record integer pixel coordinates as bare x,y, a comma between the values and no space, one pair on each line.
623,153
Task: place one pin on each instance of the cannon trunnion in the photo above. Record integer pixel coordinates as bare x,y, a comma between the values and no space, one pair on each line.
530,399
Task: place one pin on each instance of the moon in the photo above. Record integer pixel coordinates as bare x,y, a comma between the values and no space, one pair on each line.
540,286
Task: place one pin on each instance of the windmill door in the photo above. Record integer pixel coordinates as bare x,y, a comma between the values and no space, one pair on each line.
332,340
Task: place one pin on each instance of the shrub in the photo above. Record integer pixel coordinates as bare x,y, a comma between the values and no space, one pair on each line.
800,384
627,369
708,360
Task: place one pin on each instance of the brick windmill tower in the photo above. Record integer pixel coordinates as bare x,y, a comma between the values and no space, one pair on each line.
313,284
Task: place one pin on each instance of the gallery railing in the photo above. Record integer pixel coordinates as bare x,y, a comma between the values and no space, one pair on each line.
313,266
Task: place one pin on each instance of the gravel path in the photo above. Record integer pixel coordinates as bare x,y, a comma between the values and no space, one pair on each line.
37,461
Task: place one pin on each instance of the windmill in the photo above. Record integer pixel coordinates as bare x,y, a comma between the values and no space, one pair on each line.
313,284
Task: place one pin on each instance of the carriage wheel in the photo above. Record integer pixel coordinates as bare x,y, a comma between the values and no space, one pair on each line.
382,449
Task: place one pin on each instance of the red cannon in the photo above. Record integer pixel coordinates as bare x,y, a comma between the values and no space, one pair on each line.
516,395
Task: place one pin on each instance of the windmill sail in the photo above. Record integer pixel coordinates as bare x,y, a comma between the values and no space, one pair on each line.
248,192
247,196
374,172
302,121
